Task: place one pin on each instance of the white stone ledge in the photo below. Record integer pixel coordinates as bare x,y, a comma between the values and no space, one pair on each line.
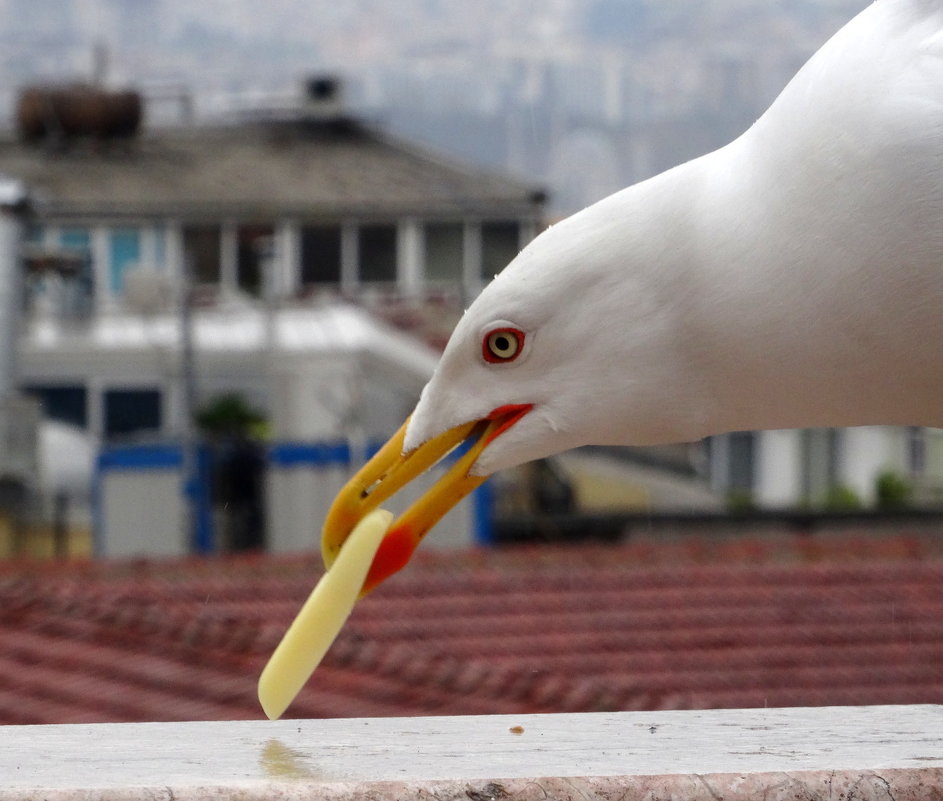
835,753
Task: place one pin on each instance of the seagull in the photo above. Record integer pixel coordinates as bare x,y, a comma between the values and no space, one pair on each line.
793,278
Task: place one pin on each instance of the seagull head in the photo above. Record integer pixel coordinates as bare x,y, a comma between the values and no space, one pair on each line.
568,346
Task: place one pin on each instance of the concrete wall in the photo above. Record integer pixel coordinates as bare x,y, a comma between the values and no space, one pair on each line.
860,753
141,514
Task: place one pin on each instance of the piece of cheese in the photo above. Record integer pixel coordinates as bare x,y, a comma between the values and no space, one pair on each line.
322,616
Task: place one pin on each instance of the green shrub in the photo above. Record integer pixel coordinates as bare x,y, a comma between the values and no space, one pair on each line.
840,498
230,415
740,501
892,491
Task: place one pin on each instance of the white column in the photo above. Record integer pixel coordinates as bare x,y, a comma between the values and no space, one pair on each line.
173,255
778,467
11,285
228,256
409,257
101,266
173,403
350,256
471,266
95,398
287,265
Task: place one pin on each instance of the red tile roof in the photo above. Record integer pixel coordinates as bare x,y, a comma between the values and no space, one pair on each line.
695,624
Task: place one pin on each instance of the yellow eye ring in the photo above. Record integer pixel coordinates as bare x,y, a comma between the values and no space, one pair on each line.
502,345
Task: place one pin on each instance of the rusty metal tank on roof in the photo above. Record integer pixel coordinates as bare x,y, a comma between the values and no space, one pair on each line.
62,113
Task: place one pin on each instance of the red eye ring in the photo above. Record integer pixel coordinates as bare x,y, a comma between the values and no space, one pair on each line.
502,345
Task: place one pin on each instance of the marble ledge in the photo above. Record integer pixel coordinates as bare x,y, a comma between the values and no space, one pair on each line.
892,753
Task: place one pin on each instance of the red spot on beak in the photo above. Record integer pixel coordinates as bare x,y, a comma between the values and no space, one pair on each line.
390,469
392,555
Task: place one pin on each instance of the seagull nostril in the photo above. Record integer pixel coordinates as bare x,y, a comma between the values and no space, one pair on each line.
366,491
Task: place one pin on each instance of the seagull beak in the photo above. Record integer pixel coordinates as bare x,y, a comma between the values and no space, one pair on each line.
391,469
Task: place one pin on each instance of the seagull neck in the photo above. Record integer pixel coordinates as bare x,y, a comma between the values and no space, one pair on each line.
798,316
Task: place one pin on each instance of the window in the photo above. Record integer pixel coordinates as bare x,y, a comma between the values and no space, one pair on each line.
128,411
75,239
445,251
35,233
160,246
916,450
500,243
67,404
321,254
377,248
741,445
201,245
255,245
124,252
65,278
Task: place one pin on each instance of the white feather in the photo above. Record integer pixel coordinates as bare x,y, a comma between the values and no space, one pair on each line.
793,278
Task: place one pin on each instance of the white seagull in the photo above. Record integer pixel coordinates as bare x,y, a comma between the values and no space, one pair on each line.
793,278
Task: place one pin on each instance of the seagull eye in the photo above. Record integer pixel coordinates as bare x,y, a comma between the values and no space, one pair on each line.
502,345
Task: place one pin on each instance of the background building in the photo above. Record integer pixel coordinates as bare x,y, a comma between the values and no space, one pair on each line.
324,263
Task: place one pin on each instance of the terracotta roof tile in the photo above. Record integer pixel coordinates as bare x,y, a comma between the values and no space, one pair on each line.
843,620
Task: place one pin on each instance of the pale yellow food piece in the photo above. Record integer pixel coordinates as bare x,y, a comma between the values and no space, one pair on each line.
322,616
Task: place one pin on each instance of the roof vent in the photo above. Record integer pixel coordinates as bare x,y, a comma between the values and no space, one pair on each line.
324,96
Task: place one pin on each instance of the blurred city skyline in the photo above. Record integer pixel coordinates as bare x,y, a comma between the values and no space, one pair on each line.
582,96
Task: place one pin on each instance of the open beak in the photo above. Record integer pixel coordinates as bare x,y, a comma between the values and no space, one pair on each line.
391,469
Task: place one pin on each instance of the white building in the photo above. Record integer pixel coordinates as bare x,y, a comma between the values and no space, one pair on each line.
327,264
815,467
284,224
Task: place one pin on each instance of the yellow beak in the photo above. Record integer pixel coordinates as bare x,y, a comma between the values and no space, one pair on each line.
390,470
